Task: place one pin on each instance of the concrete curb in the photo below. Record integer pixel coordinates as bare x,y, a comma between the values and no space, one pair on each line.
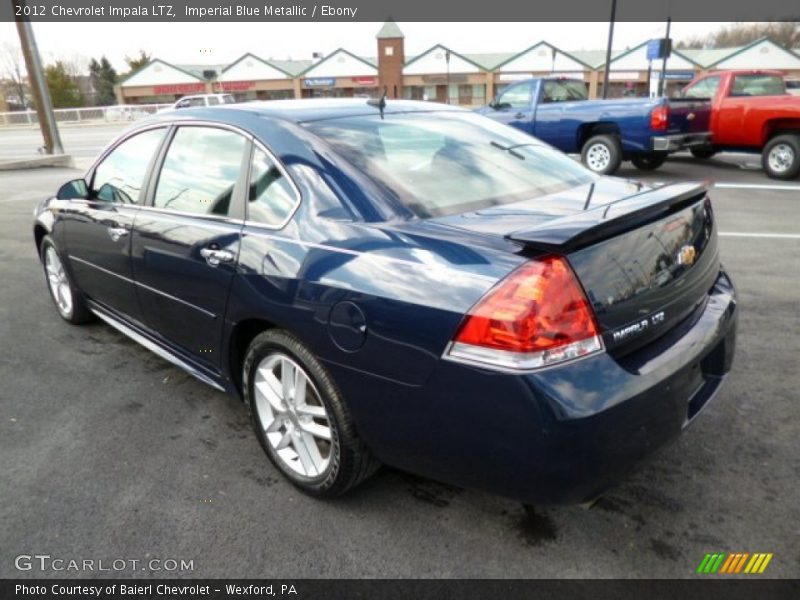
36,162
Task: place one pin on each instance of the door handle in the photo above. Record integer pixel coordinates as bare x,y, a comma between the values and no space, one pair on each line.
115,233
520,115
214,257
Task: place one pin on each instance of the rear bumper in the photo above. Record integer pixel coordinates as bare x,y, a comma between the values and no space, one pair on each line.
674,143
561,435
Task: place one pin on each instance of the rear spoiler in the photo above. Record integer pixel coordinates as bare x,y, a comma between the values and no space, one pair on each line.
609,220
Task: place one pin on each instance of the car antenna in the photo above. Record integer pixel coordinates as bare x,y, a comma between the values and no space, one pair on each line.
380,103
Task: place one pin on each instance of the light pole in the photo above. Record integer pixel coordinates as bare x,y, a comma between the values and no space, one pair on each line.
41,95
667,51
608,48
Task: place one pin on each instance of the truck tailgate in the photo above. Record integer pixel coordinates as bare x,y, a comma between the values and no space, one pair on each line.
689,115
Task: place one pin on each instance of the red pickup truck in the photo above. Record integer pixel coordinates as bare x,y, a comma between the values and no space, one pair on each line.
751,111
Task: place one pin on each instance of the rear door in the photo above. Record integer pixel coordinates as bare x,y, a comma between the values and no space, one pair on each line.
186,241
98,230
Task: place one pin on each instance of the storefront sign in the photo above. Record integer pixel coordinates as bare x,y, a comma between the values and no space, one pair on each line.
236,86
624,75
365,81
677,75
443,79
179,88
319,82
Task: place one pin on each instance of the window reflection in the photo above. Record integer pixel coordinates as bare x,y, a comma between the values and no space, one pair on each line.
200,171
120,176
271,197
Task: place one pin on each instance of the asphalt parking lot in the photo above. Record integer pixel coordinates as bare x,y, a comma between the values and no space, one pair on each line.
109,452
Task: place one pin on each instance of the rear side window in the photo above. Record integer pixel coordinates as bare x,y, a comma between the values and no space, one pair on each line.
758,85
566,90
271,197
200,171
120,176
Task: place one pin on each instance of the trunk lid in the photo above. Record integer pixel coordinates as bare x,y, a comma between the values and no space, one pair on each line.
646,262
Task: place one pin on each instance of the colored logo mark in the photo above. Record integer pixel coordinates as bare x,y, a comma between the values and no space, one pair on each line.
734,563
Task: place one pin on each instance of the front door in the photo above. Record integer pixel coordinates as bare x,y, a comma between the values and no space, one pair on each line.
186,241
98,230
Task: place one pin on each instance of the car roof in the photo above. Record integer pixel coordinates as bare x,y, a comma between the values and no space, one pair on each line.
316,109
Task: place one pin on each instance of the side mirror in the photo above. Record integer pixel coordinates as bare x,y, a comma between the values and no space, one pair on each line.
73,190
493,104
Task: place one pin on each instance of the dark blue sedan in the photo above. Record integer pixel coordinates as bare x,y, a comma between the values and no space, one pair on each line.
408,284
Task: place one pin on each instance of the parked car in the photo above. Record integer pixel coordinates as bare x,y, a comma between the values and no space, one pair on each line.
751,111
200,100
605,132
414,285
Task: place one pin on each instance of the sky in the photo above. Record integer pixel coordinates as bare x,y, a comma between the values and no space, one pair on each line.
222,43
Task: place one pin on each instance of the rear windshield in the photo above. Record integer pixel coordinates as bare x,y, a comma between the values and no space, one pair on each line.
443,163
758,85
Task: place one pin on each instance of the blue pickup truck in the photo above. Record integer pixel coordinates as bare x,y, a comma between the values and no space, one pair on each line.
605,132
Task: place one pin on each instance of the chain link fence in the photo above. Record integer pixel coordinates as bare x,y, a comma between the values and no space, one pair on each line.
99,114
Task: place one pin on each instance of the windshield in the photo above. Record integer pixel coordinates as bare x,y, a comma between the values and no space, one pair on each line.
443,163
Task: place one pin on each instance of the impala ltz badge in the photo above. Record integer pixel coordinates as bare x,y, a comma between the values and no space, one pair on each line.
639,327
686,255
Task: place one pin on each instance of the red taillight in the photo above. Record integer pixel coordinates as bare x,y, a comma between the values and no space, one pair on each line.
659,118
535,317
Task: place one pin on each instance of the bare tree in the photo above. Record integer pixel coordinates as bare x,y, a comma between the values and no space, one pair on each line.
783,33
12,69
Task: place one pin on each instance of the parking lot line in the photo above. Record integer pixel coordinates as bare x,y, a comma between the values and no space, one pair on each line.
783,236
756,186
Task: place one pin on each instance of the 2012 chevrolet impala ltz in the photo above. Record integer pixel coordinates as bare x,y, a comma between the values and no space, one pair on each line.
403,283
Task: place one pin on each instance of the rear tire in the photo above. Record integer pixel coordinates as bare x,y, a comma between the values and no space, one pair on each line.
300,417
702,152
602,154
67,298
781,157
648,162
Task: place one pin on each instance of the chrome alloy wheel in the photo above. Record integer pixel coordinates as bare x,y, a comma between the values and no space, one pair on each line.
292,416
780,158
598,156
58,282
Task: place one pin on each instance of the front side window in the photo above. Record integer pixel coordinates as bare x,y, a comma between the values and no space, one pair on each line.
200,171
517,96
441,163
119,178
213,100
271,197
758,85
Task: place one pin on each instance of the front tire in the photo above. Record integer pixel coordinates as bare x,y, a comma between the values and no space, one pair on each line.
66,297
648,162
300,417
781,157
602,154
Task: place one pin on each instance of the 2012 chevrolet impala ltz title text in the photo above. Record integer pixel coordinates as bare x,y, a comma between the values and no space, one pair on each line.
403,283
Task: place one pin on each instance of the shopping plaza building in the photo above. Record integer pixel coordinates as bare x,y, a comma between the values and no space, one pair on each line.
443,74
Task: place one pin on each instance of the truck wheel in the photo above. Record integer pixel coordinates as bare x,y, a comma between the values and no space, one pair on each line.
648,162
703,152
781,157
602,154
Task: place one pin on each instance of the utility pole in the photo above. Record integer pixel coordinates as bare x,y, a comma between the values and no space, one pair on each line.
41,95
608,48
667,52
447,80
